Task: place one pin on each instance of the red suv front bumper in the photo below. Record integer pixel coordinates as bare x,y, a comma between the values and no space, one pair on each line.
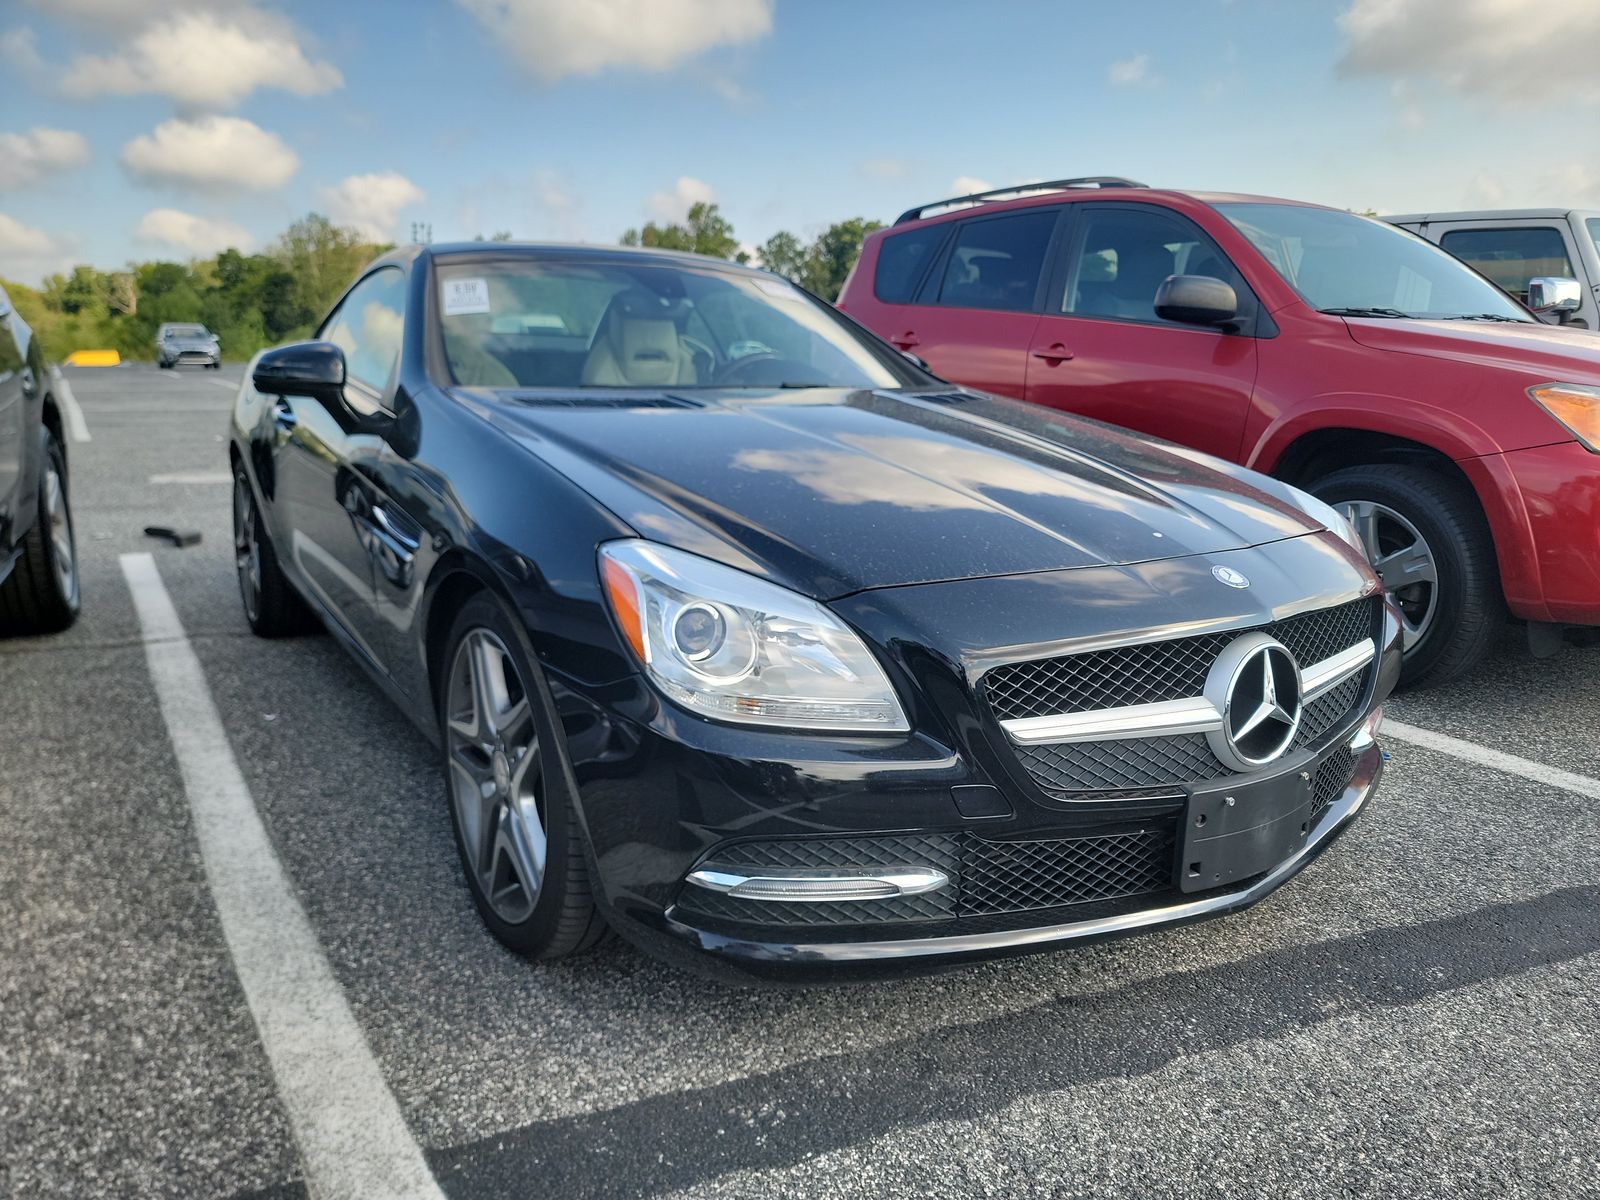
1544,510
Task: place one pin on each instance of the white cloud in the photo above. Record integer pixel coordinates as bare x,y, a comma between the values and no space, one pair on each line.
200,236
558,38
204,60
1132,72
674,205
371,204
1519,52
967,185
20,48
29,254
28,157
211,152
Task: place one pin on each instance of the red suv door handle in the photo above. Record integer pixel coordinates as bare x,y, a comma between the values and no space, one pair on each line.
906,340
1053,353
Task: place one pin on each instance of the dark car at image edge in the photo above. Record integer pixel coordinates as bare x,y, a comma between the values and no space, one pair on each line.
744,636
1333,351
39,590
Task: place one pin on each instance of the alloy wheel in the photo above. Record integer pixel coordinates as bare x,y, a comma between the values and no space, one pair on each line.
59,515
247,546
1404,562
496,780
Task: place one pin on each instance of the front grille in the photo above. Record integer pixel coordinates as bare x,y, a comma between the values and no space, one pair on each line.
1127,764
1333,776
1154,672
1004,877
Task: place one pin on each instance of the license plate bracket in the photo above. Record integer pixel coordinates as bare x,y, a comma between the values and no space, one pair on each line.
1233,831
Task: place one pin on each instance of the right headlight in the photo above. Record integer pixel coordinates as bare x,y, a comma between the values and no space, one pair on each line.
1576,406
729,646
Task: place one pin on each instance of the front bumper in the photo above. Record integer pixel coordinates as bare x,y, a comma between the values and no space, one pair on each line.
663,794
1543,505
779,958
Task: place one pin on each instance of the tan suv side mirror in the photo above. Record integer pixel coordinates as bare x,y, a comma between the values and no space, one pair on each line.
1550,294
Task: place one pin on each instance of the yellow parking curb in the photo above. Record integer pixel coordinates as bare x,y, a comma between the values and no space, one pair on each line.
93,358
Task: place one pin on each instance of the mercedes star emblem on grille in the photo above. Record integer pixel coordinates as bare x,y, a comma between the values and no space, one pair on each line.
1234,579
1255,684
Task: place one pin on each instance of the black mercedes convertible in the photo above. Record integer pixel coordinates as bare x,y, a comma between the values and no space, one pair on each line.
743,635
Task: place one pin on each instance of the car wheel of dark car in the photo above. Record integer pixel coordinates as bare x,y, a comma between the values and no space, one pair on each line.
510,800
271,605
41,595
1428,540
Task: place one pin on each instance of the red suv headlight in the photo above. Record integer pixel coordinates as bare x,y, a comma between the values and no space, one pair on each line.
1576,406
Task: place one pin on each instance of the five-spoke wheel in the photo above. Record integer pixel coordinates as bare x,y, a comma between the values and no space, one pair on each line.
495,777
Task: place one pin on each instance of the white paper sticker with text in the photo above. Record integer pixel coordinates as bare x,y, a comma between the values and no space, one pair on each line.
462,296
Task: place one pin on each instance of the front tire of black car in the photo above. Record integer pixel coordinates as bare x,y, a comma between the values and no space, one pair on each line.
1451,621
509,791
271,605
42,594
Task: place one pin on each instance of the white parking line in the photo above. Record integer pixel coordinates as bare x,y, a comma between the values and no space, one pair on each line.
1537,772
353,1141
193,477
77,427
231,384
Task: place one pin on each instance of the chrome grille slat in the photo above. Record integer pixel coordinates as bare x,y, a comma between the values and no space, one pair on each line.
1123,682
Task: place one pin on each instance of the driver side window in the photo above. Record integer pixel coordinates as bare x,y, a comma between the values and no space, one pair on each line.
368,327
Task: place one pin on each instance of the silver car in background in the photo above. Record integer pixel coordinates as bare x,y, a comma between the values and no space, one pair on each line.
187,344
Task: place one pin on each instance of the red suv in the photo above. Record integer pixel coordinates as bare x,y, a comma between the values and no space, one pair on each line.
1360,362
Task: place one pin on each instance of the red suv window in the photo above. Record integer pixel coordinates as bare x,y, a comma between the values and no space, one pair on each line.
996,263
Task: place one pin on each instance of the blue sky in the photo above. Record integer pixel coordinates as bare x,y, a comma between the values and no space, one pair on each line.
132,129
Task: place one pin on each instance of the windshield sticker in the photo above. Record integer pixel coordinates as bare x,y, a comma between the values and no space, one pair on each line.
462,296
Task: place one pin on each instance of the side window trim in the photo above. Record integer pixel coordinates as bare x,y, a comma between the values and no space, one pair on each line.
1255,324
375,400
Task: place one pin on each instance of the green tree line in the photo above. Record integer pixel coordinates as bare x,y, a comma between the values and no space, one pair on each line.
248,300
255,300
819,266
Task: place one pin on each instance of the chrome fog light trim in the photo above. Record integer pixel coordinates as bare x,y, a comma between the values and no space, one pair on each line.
782,884
1367,734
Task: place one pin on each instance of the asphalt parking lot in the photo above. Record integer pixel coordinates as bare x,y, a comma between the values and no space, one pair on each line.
1414,1016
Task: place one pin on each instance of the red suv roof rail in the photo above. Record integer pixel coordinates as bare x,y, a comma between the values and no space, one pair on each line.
1022,189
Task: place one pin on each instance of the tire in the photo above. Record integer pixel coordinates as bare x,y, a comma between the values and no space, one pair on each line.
1453,630
165,366
507,786
42,594
271,605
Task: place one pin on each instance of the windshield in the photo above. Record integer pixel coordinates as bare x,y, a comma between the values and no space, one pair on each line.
185,331
588,323
1356,266
1594,230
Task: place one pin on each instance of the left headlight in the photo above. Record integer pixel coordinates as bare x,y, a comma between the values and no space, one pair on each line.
1329,518
729,646
1576,406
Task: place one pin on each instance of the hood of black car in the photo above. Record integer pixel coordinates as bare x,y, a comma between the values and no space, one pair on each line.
831,491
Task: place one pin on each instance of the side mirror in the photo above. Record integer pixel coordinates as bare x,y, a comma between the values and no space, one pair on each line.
1553,295
314,369
1196,300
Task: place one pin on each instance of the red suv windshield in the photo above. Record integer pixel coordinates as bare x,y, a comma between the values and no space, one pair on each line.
1354,266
